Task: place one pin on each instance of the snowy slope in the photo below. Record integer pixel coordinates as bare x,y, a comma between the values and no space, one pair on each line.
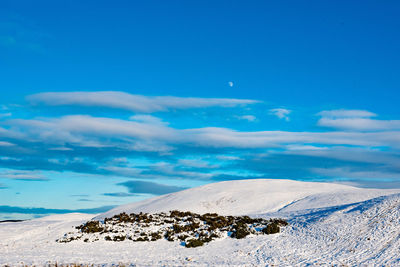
362,232
253,197
365,233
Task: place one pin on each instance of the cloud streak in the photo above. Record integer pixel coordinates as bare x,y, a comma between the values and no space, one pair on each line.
355,120
346,113
250,118
100,132
120,194
23,175
360,124
346,172
141,187
136,103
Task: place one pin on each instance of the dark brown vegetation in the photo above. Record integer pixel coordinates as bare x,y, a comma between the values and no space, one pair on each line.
191,229
90,227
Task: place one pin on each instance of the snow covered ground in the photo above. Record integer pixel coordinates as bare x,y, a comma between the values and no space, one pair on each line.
329,224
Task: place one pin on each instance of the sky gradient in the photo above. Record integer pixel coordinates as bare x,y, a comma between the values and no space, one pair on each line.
107,103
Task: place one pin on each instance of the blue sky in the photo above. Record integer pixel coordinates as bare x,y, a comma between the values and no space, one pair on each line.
107,103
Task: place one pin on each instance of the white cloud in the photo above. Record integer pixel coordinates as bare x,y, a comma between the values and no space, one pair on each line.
228,158
281,113
23,175
353,154
149,146
3,115
297,147
106,132
137,103
247,117
120,160
197,163
223,137
346,113
61,148
148,119
360,124
2,143
230,84
150,134
355,120
171,169
10,158
73,128
124,171
346,172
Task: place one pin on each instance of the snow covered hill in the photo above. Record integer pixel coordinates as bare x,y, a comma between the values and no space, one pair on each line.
329,225
245,197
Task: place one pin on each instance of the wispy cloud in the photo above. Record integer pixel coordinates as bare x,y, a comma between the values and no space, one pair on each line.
4,143
4,115
281,113
148,119
167,169
88,131
228,157
247,117
85,130
84,200
346,113
23,175
222,137
355,120
360,124
347,172
197,163
353,154
137,103
141,187
120,194
300,147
